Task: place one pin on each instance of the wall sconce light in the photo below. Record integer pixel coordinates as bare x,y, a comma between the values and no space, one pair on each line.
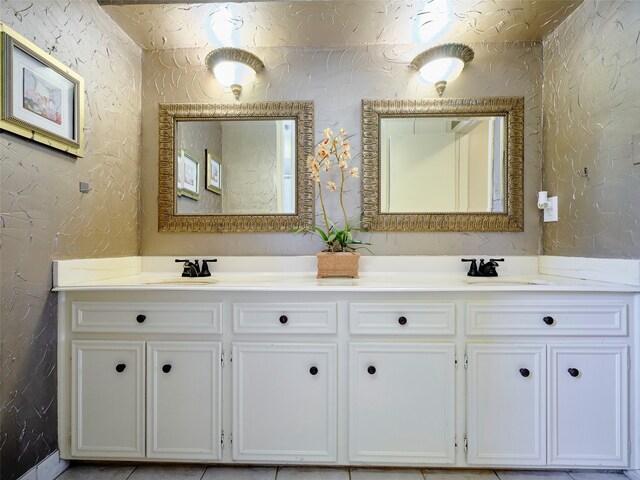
233,67
442,64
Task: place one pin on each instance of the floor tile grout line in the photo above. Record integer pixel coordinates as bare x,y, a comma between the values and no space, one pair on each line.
204,472
131,473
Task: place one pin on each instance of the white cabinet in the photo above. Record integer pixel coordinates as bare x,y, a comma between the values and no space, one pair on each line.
402,403
107,403
184,397
506,399
588,410
284,402
342,377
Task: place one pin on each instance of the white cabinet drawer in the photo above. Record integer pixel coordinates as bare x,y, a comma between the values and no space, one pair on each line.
284,318
147,317
402,318
547,318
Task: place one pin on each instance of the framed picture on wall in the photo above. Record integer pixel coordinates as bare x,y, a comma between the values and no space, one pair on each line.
42,99
214,173
179,174
188,184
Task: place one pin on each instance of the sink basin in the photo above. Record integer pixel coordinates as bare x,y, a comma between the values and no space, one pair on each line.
182,281
505,281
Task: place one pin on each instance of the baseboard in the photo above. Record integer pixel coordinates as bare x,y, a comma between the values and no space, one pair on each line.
633,474
47,469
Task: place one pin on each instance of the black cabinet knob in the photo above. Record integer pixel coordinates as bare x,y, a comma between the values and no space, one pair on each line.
574,372
402,320
525,372
283,319
141,318
166,368
120,367
313,370
371,369
548,320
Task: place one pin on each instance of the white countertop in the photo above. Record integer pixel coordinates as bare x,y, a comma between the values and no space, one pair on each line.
407,274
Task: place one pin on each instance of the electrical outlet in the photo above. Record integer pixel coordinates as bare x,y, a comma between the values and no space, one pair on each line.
551,212
635,149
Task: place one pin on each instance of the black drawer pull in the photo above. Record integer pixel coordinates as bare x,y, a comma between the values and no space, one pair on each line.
283,319
574,372
548,320
141,318
313,370
525,372
166,368
120,367
371,370
402,321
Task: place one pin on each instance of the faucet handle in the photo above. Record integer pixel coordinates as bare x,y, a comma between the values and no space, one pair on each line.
205,268
473,268
496,259
189,269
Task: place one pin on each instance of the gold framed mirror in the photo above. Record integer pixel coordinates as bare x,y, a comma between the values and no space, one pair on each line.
235,167
443,164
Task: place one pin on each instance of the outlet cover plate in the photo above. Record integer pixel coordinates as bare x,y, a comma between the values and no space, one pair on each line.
551,212
635,149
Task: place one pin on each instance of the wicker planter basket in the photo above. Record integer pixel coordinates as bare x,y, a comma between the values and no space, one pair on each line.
338,264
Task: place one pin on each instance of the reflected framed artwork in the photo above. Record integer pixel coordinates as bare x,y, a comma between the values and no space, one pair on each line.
214,173
42,99
188,175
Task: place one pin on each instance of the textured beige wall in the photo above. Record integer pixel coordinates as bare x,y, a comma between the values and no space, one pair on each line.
249,172
336,80
43,216
591,110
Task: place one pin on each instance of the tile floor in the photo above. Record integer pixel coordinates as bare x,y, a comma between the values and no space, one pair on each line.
200,472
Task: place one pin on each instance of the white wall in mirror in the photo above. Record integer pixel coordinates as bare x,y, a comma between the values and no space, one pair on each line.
442,164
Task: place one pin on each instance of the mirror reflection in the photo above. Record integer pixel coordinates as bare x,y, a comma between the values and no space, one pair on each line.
442,164
235,167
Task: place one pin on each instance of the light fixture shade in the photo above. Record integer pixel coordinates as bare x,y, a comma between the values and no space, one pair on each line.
233,67
443,63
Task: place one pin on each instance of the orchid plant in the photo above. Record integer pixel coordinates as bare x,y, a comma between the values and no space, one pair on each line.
333,152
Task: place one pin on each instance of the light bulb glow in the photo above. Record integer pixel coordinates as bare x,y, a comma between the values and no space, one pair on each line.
442,69
230,73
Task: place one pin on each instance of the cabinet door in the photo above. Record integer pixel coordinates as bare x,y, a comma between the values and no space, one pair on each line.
506,404
588,412
284,402
402,403
183,388
107,399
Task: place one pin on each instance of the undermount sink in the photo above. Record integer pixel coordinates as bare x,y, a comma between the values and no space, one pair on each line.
182,281
505,281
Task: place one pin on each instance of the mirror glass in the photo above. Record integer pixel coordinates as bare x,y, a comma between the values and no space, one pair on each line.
235,167
445,165
442,164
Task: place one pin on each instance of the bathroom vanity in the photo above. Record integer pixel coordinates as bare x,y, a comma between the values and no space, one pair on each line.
400,367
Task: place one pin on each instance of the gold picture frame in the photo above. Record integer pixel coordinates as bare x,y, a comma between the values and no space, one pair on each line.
42,99
213,171
511,220
170,114
188,181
